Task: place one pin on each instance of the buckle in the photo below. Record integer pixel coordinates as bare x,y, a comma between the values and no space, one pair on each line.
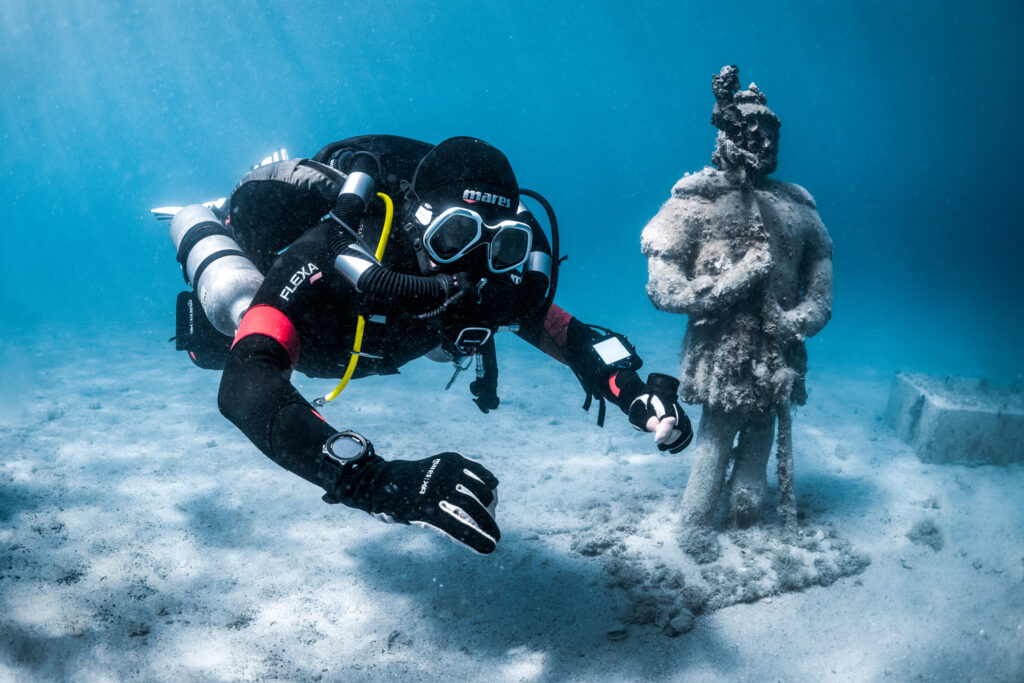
470,339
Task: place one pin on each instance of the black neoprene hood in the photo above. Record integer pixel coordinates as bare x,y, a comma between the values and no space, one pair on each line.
464,168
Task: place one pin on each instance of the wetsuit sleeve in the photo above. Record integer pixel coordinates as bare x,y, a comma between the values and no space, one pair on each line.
567,340
257,396
256,393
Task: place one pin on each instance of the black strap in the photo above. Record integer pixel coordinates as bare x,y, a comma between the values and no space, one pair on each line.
332,173
197,232
601,406
210,259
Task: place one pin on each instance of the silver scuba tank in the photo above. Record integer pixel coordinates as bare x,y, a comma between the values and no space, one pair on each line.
224,279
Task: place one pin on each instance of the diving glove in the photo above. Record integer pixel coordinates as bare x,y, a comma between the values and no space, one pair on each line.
447,492
657,410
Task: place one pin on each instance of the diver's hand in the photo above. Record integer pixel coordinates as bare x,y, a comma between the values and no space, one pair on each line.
448,492
657,410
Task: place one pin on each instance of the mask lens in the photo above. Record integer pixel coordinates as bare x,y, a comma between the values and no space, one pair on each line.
509,248
453,235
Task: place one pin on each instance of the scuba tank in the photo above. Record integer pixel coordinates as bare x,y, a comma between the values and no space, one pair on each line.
223,259
222,277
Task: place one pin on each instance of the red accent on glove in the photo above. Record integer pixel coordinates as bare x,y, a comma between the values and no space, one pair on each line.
267,320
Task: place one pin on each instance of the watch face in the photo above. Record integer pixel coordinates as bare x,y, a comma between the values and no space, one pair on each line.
346,447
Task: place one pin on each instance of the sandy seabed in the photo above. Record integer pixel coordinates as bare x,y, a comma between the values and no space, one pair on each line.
142,537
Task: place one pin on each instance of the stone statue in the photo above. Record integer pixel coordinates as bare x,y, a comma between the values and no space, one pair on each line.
749,261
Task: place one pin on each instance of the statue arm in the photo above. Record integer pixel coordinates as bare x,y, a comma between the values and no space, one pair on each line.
705,209
814,309
735,282
671,290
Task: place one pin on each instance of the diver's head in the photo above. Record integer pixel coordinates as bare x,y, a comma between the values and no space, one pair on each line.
464,213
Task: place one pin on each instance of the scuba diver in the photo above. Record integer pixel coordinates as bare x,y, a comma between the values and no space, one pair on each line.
300,270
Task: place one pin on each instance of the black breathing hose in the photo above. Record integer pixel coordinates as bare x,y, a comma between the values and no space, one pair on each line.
556,261
409,292
349,210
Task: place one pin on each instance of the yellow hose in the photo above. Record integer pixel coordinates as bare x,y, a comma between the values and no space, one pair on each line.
357,345
389,213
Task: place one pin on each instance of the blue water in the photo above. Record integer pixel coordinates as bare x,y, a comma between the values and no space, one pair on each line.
902,119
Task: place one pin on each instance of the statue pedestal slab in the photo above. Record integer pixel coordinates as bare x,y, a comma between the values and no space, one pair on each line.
957,420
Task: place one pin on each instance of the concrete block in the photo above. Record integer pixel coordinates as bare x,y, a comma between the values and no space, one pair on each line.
958,420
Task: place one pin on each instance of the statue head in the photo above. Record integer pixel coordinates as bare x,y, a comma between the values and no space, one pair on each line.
748,130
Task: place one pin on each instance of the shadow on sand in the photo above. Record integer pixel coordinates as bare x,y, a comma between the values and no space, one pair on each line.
530,598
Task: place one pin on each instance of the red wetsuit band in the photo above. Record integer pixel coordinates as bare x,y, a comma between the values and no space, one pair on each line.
556,331
267,320
556,324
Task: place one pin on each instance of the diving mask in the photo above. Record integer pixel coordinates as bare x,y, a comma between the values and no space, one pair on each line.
456,231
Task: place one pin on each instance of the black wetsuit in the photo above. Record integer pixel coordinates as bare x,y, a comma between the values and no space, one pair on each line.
305,314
